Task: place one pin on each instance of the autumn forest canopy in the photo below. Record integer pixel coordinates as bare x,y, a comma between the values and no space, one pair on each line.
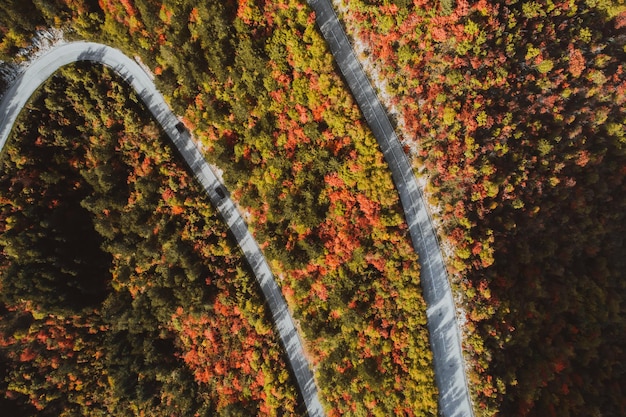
122,293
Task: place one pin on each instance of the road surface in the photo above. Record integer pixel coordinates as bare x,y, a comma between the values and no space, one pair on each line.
43,67
445,340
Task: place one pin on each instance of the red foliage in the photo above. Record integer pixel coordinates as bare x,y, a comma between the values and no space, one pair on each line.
27,355
205,338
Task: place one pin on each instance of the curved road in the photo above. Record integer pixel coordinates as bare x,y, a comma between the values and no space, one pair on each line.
445,340
43,67
454,399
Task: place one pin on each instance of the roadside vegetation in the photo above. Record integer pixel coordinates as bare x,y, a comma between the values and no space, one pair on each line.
256,85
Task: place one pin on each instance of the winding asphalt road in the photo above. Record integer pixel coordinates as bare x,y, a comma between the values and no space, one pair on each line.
445,340
43,67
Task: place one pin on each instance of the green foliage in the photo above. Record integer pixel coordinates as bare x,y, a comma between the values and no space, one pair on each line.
17,25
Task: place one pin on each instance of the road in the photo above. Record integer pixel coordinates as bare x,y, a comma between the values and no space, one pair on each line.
43,67
445,340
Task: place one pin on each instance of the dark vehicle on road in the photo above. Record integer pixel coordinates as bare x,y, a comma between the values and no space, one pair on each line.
180,127
220,191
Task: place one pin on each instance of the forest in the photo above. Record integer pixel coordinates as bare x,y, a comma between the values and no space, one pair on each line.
512,111
256,85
